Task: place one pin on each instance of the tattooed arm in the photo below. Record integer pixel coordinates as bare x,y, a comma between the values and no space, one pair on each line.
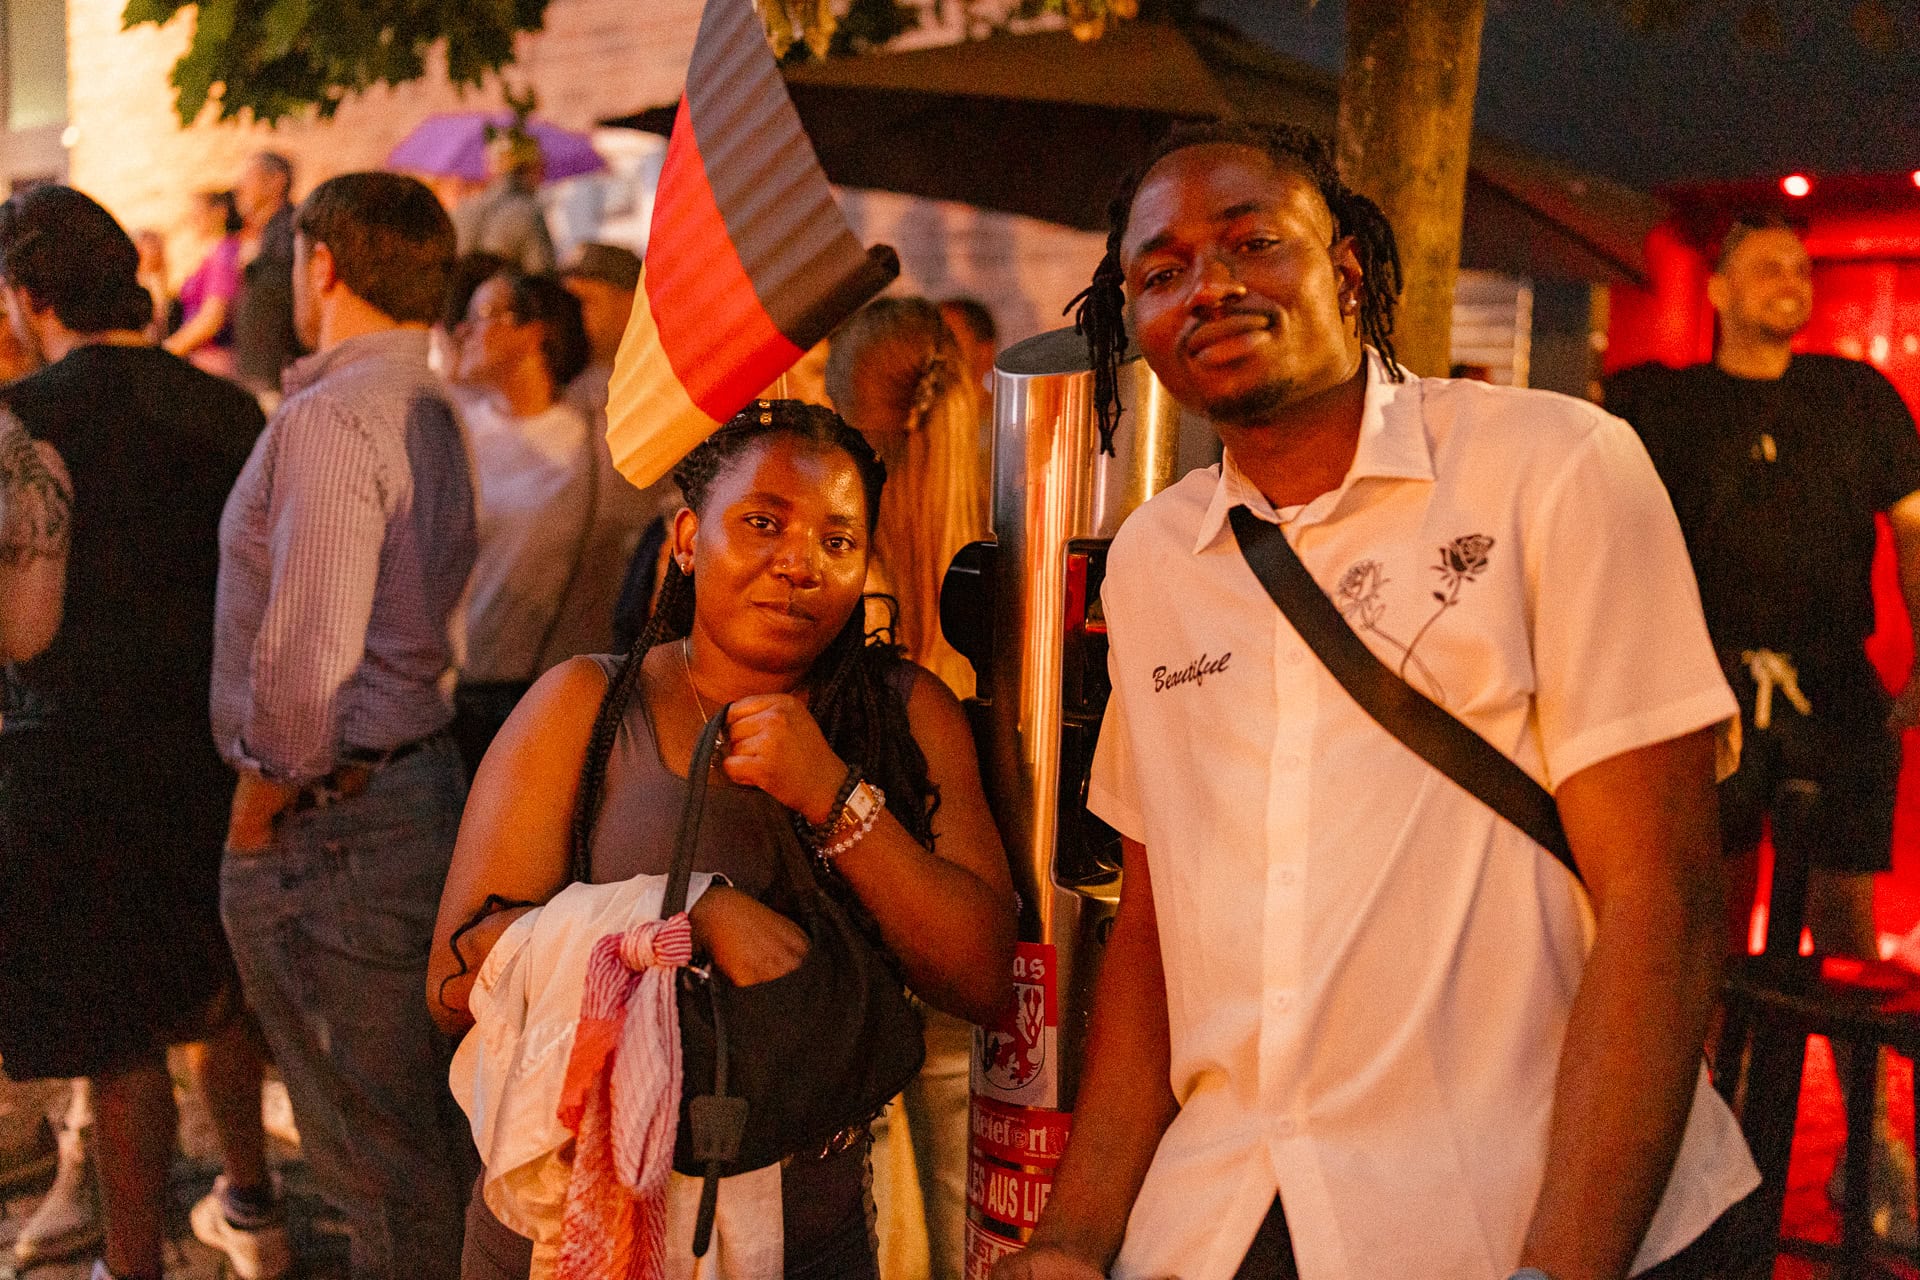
36,507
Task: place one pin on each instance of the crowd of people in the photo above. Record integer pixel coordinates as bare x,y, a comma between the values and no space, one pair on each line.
244,707
337,652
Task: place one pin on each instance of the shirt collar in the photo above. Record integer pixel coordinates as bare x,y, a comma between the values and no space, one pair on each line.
398,343
1393,446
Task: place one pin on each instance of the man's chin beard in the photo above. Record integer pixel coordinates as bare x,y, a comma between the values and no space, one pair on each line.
1254,407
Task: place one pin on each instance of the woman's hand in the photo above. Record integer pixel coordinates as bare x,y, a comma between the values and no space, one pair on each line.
749,942
774,743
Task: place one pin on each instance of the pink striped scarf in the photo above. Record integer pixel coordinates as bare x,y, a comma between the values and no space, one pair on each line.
621,1099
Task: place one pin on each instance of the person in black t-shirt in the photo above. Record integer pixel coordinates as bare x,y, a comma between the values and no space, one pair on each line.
1778,465
113,800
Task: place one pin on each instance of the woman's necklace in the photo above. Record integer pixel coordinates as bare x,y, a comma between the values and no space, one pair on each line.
686,664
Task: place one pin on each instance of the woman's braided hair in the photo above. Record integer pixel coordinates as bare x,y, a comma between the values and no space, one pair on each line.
1100,309
856,685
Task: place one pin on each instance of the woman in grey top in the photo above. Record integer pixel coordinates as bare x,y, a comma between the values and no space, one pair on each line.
761,609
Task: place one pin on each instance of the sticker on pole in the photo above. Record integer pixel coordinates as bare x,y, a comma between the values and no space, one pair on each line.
1019,1135
1017,1059
984,1248
1012,1197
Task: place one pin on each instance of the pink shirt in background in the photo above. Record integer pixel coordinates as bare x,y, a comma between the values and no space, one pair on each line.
217,276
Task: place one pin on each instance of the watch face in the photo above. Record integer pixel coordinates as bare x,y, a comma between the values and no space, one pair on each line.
863,803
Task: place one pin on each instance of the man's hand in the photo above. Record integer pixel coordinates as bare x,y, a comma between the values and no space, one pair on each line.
256,803
1905,712
1046,1262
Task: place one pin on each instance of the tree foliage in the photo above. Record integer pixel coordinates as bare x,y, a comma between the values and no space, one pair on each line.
837,28
272,59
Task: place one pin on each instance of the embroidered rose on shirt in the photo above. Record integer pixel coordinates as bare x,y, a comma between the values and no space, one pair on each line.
1359,592
1461,561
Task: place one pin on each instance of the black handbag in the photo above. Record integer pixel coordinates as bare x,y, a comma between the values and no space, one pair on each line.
1428,729
782,1067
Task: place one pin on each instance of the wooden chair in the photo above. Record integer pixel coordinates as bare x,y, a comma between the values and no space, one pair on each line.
1773,1002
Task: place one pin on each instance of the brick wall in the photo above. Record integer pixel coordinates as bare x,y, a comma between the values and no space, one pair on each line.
597,58
1024,270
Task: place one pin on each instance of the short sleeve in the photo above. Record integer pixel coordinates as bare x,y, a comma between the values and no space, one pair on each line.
1622,659
1895,443
1113,790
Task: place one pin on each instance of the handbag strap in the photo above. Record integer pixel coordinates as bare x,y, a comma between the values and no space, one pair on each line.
1423,725
695,809
687,843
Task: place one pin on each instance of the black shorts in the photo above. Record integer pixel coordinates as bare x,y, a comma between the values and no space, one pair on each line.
1840,760
111,946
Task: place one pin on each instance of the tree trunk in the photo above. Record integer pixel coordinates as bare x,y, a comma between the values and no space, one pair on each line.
1406,119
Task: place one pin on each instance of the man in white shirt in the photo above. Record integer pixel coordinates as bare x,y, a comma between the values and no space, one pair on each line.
1338,982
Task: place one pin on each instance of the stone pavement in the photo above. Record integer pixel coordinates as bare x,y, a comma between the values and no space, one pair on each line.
318,1242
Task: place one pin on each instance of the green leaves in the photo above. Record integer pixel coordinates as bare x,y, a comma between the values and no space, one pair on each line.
271,59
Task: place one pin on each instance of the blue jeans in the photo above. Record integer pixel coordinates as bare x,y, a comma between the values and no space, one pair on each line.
330,927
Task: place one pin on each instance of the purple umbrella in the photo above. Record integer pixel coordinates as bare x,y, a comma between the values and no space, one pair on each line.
455,145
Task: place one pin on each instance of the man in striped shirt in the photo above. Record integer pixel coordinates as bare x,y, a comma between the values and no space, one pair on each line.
344,551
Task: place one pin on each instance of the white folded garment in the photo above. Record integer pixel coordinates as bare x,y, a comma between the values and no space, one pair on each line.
507,1076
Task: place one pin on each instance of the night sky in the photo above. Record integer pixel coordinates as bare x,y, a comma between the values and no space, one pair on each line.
1570,79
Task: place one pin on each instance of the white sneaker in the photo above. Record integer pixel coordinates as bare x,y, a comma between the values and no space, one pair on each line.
276,1113
255,1253
67,1220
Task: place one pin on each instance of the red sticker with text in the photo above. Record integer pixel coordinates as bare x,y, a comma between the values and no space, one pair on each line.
1014,1197
984,1248
1020,1135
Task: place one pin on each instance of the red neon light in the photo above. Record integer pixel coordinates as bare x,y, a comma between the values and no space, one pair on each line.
1796,185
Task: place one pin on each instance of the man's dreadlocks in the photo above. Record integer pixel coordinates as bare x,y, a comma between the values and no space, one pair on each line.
1100,309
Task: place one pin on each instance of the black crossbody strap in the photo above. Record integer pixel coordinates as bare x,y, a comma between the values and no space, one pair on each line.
698,771
1424,726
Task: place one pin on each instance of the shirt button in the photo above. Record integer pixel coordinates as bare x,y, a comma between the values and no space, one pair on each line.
1290,761
1281,1001
1295,657
1285,1127
1286,877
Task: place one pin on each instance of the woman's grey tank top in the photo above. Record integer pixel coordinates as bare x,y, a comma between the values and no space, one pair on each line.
640,810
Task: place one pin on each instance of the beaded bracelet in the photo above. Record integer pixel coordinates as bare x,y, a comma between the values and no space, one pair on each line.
817,834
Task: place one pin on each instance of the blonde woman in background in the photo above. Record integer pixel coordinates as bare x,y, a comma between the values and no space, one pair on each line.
895,372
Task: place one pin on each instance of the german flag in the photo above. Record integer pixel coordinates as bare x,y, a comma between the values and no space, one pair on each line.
749,263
